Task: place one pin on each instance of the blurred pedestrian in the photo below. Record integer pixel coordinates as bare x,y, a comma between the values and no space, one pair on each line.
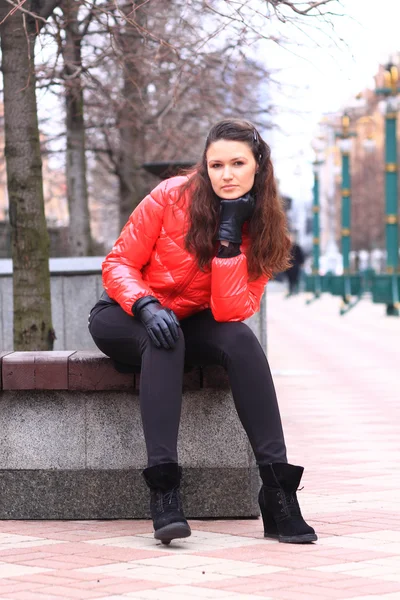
293,273
188,267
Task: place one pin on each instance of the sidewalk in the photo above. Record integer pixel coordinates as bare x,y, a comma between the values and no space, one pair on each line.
338,386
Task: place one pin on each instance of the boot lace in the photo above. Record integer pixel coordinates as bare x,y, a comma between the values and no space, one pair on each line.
288,500
172,497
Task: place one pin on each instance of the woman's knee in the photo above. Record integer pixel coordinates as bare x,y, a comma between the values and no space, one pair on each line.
178,347
237,337
115,333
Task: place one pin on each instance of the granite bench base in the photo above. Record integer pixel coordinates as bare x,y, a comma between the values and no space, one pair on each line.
72,445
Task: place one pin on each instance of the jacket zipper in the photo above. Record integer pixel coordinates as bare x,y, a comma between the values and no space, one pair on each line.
182,287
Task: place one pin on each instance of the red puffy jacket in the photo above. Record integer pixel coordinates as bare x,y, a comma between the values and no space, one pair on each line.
149,258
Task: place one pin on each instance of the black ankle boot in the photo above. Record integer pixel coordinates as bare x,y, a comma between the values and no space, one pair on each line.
279,506
165,502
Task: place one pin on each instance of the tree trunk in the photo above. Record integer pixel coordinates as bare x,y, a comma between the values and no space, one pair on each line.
131,130
80,242
131,157
30,241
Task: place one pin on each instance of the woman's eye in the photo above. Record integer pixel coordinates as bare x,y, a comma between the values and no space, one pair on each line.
239,163
215,166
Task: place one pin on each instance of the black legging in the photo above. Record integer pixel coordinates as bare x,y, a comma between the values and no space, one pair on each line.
202,341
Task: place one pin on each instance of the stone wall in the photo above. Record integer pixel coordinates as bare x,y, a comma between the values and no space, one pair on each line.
58,241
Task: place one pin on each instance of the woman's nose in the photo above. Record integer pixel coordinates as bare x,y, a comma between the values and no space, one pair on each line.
227,173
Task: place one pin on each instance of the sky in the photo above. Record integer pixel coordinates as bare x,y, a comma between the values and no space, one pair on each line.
322,74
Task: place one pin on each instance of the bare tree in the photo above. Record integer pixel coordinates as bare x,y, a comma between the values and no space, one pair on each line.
19,27
130,43
146,79
162,90
74,29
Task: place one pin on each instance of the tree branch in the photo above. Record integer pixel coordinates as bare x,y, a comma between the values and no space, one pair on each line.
47,8
85,23
18,6
292,5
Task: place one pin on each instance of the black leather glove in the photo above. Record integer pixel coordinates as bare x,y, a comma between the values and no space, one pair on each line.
233,213
228,251
161,323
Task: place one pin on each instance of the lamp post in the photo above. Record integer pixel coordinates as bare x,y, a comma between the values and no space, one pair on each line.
390,92
313,281
316,229
344,143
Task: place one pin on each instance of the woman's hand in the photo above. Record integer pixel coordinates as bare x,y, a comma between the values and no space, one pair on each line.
161,323
233,213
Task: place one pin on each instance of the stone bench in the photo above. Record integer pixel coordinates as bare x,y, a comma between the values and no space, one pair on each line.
72,447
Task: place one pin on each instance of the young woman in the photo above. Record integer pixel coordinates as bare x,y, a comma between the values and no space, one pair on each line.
189,266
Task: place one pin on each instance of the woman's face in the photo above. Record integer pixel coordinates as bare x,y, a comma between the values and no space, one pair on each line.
231,167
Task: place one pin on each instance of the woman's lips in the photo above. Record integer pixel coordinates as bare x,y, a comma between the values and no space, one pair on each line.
228,187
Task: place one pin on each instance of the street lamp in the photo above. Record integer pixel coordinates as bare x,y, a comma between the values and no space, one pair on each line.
313,282
344,138
316,223
387,288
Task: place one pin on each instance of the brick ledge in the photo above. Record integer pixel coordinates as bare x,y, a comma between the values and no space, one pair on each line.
86,370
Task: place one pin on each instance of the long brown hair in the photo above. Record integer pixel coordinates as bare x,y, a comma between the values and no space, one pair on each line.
269,248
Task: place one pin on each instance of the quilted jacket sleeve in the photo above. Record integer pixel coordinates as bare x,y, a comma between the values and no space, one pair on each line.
233,296
122,277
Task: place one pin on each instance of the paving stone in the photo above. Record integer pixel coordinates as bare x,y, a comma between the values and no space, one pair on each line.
92,370
19,371
36,370
51,370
